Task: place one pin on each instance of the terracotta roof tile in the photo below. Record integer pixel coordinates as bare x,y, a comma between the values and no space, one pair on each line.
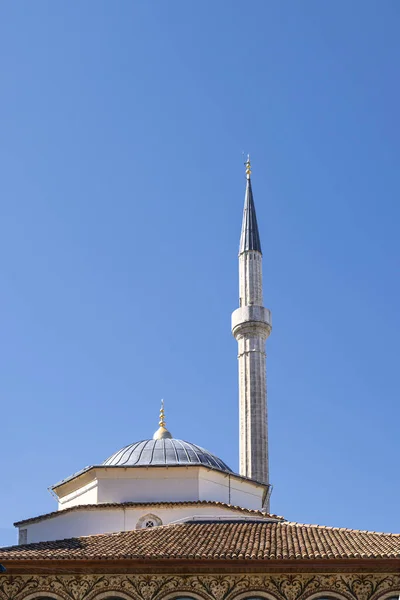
234,540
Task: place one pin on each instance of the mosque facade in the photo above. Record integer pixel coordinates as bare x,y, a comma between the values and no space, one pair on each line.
165,519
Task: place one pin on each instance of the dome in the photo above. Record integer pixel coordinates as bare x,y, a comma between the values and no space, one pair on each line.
164,452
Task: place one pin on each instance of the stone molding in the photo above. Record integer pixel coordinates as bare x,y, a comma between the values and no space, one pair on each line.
304,586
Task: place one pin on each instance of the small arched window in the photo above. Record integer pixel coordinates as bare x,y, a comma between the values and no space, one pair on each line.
148,521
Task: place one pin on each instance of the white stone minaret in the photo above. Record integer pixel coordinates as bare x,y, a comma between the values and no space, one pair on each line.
251,325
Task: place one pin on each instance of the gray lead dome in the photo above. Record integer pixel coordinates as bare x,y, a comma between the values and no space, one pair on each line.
165,452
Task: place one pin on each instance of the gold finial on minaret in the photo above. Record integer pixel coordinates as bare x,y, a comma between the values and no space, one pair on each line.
162,432
248,167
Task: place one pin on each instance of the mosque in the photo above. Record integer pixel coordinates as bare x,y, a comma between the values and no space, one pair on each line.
165,519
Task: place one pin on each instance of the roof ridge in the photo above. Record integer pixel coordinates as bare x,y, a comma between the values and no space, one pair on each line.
331,527
110,505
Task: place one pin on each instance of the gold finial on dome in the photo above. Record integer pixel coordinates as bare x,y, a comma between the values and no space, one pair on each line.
162,415
162,432
248,167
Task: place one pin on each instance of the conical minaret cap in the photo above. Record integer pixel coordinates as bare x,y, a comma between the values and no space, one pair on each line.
250,238
162,432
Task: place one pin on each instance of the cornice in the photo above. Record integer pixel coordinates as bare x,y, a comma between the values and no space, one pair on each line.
210,586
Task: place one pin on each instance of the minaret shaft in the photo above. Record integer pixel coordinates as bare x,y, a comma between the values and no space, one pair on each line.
251,326
250,279
253,441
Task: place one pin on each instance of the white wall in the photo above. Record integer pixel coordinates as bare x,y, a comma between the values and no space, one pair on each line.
87,494
149,485
160,484
214,486
88,521
246,494
229,489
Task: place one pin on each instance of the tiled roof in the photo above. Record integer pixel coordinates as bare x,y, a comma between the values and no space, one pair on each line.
240,540
111,505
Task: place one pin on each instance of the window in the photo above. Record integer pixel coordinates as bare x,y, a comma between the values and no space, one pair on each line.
148,521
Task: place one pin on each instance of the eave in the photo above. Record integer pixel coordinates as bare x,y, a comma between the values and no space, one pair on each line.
190,566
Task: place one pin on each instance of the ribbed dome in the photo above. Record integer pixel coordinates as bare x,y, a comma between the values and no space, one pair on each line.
164,452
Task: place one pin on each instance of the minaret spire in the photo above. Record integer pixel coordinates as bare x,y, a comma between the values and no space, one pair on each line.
251,326
250,238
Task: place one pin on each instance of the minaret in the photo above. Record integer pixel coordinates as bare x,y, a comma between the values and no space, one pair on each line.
251,325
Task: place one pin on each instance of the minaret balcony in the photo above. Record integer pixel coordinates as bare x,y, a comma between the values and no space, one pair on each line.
254,316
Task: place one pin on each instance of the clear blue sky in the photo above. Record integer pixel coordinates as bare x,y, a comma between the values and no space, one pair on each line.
122,186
